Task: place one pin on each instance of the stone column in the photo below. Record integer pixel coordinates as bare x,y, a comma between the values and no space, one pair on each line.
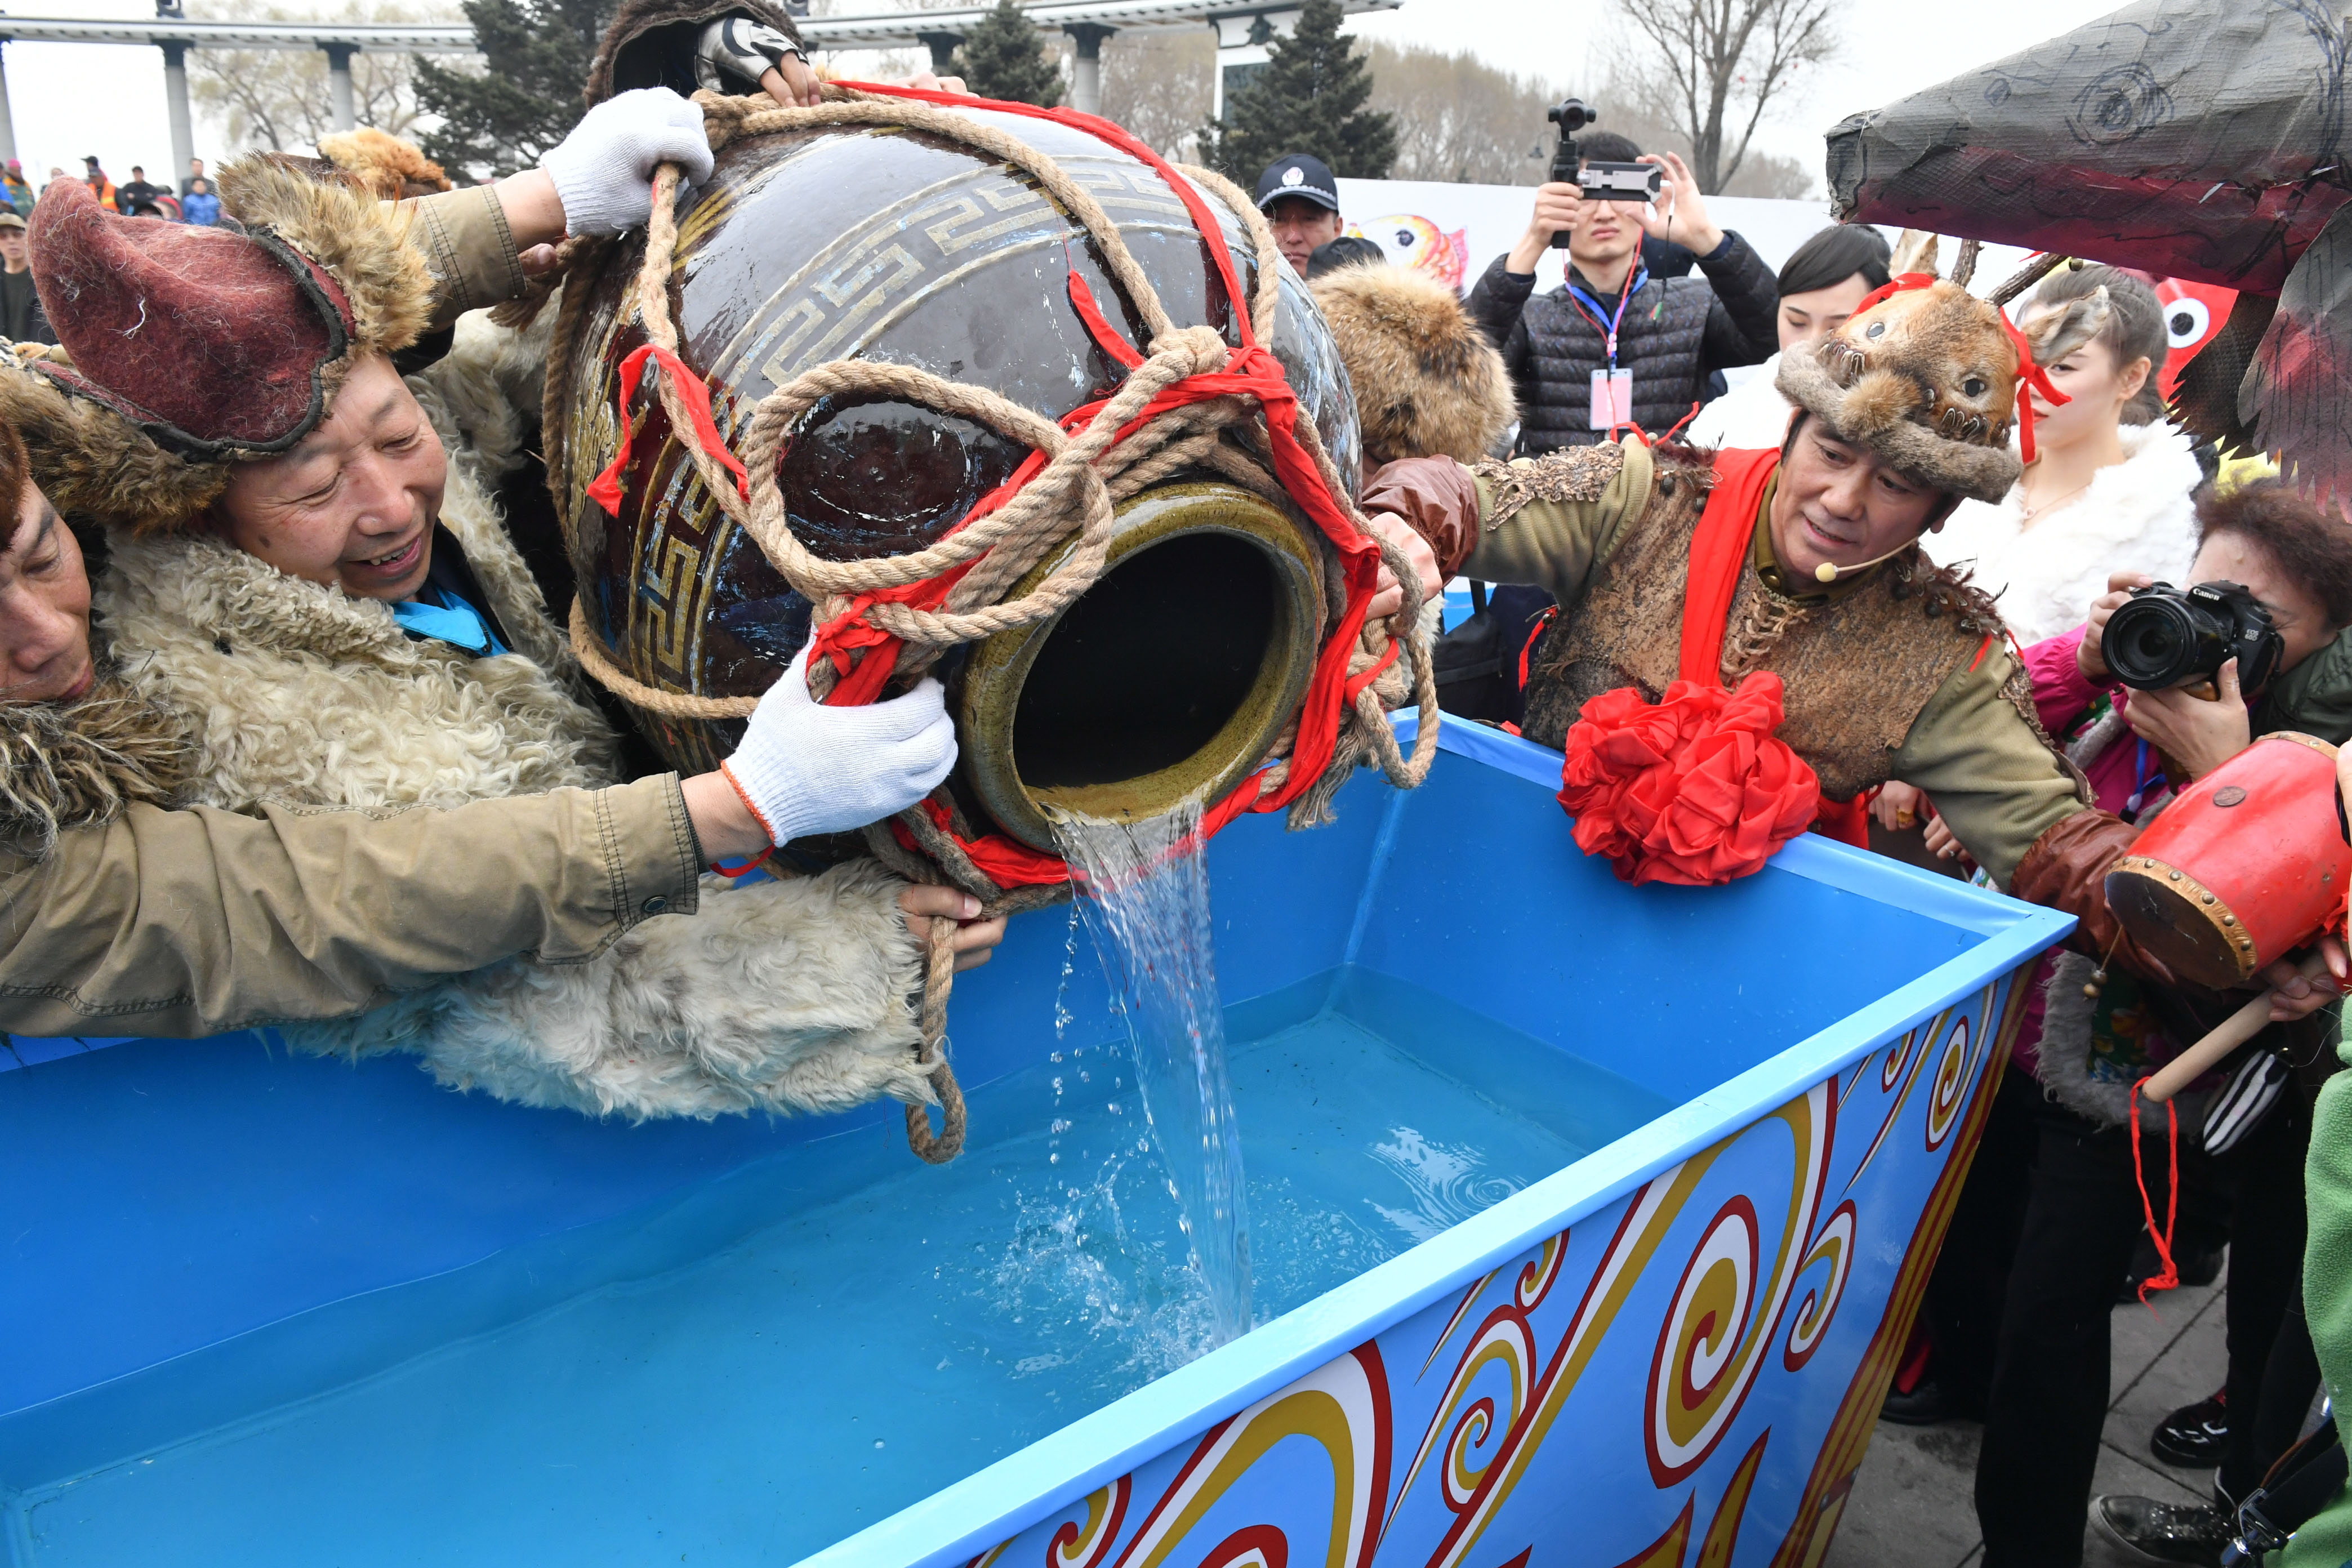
1086,69
338,85
943,47
8,124
175,107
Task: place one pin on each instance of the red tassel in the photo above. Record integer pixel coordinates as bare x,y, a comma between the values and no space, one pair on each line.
2170,1278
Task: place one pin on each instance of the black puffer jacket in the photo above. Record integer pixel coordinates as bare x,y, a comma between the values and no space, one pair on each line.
1678,332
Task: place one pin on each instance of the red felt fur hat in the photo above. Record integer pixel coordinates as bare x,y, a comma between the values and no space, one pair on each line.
187,347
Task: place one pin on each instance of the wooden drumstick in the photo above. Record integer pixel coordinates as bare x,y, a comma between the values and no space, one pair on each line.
2234,1031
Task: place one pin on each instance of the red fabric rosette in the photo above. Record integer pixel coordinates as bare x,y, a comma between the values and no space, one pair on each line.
1694,789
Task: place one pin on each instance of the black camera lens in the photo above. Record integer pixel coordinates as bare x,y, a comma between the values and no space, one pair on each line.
2152,643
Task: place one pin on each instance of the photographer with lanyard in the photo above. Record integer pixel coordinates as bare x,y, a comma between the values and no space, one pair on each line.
1618,344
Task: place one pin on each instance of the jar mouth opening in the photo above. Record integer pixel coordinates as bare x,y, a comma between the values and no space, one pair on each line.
1169,681
1135,679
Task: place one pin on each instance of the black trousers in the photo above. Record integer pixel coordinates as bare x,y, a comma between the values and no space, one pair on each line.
2079,1214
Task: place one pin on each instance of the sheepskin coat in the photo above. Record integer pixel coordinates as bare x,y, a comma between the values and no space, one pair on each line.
2135,516
784,995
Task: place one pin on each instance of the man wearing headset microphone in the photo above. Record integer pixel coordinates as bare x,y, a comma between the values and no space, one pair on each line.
1749,642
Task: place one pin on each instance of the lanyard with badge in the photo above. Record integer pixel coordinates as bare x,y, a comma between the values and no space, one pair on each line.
1612,389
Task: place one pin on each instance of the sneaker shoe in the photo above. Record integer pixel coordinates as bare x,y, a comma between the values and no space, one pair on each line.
2164,1532
1925,1405
2193,1436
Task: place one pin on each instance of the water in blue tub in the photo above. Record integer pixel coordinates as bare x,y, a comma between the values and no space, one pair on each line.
736,1386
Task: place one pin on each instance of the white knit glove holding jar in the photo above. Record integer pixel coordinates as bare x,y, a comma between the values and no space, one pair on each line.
603,172
804,768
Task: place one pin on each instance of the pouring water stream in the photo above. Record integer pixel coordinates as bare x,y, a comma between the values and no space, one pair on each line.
1144,895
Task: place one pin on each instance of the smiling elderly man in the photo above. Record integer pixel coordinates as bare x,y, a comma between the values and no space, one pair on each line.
1793,579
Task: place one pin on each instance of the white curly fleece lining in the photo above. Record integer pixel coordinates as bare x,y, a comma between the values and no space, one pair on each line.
2136,517
785,996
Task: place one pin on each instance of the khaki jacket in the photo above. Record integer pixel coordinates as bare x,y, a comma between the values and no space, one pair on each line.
189,922
179,923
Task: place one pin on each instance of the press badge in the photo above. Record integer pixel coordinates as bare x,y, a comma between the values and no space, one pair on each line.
1612,399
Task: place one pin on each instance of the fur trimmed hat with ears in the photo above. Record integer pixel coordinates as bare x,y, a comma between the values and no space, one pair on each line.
1427,382
187,348
1928,376
391,169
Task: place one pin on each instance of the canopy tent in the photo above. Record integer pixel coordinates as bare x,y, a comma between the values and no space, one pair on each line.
2201,140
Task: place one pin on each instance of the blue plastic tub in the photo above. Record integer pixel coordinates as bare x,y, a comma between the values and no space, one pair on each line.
271,1310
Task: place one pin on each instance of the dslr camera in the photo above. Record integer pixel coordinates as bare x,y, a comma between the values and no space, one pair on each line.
1603,181
2166,637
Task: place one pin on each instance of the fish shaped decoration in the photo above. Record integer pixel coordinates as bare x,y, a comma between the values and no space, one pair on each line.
2199,140
2194,315
1416,243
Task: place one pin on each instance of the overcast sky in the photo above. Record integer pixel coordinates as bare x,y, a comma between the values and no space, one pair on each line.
70,99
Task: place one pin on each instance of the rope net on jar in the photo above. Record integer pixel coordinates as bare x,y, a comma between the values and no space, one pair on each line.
1189,401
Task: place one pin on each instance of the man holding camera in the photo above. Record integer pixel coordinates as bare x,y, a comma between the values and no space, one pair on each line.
1619,345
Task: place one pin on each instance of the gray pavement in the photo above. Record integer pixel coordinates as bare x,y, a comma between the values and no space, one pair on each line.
1913,1502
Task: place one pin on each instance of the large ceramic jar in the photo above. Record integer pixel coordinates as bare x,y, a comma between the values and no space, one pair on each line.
1173,677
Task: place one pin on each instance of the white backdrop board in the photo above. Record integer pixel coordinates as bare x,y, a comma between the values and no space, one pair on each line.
1454,231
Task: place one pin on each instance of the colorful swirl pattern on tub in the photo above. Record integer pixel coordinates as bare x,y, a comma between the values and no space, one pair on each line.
1595,1389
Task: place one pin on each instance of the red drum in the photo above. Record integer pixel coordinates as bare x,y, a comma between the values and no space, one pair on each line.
2248,864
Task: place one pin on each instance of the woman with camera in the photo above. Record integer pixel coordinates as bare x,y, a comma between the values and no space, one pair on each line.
2054,1192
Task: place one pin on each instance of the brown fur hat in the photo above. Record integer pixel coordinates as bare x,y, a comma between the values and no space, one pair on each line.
1928,378
317,276
391,169
1427,382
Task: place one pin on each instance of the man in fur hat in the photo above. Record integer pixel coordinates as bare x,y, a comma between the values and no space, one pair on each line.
1794,576
202,355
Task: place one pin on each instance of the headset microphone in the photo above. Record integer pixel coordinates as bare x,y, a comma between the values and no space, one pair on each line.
1826,573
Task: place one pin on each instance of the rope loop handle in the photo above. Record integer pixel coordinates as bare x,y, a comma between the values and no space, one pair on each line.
904,610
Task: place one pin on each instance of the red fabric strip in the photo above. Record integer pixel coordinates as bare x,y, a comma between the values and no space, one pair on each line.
1847,821
2170,1278
1720,549
605,488
1107,337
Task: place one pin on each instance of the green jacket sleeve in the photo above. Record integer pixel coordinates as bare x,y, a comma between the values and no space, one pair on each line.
179,923
1550,521
1992,775
468,248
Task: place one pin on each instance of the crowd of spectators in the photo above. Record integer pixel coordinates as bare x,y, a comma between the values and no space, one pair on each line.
190,201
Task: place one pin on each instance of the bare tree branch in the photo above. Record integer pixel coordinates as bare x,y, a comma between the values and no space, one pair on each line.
277,99
1722,64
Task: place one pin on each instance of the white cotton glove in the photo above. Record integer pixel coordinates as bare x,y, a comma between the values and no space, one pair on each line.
804,768
603,172
735,52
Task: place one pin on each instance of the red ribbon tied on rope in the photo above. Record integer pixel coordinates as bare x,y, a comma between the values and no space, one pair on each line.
605,488
2031,376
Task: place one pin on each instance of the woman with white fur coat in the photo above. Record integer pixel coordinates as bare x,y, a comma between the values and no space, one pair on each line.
2110,487
333,611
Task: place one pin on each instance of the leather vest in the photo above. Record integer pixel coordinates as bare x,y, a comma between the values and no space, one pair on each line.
1857,668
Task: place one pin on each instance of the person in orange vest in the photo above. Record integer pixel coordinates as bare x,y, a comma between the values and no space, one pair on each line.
99,186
